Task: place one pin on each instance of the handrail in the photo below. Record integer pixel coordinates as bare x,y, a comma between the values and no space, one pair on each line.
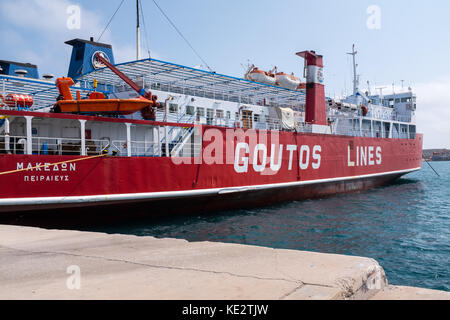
51,147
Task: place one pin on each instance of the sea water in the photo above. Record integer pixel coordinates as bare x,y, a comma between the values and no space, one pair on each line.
405,226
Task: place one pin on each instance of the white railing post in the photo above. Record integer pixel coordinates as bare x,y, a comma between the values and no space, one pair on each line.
166,129
29,135
159,141
128,139
7,137
83,136
360,127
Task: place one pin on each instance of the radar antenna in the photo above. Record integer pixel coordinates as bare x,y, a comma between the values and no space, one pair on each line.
355,76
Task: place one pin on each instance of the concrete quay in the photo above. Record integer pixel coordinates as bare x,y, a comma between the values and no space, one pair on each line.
58,264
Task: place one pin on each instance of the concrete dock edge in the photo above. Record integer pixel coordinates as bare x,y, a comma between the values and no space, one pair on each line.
59,264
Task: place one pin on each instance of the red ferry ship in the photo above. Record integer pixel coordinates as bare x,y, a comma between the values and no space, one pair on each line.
198,141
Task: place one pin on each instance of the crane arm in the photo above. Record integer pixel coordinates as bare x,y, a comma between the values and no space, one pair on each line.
122,76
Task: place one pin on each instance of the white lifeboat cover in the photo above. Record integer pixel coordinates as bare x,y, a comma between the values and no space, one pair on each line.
287,81
262,78
286,116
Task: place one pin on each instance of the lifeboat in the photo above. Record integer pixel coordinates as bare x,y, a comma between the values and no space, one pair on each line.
301,86
96,102
261,76
287,81
111,106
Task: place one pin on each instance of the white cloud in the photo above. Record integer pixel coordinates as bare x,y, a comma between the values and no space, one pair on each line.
49,17
433,112
38,35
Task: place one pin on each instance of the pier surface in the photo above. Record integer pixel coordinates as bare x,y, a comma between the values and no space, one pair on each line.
58,264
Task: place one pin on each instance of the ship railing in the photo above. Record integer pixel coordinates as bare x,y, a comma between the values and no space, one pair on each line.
401,118
352,131
271,123
188,149
181,141
168,86
51,145
370,133
167,117
67,146
259,123
13,144
304,127
136,148
152,149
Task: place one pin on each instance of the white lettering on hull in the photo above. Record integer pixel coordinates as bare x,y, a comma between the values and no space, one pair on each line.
56,169
364,156
260,157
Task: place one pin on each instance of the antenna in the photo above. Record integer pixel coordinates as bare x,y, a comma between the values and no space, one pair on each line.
138,40
381,93
355,77
402,83
368,88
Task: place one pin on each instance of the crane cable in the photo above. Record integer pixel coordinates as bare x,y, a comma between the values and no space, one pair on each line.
110,20
145,29
181,35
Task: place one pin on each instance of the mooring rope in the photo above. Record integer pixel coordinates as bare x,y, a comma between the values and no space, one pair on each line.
52,164
432,167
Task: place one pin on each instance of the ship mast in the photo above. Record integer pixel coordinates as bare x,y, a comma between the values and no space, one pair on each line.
138,39
355,76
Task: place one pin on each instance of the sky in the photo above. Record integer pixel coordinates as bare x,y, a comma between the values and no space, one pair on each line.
396,40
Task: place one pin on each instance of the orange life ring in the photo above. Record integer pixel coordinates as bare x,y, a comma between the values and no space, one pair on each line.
2,101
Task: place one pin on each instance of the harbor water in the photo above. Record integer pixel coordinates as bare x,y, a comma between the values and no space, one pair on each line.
404,226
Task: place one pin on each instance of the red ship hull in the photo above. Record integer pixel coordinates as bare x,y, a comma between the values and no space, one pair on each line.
287,166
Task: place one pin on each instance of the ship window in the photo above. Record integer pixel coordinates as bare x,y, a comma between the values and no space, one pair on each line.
256,117
190,110
79,54
173,108
228,115
201,112
219,114
397,100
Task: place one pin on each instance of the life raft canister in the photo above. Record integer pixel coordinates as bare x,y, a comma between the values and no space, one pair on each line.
365,110
18,100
